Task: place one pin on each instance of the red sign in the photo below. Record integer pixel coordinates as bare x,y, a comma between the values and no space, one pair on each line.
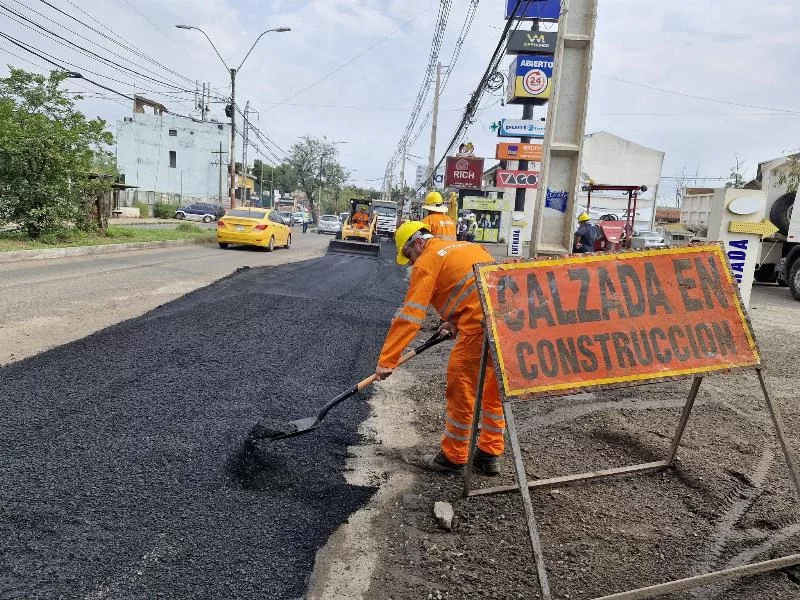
518,179
519,151
578,323
464,172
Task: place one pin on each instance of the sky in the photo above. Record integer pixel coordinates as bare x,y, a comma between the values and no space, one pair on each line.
704,82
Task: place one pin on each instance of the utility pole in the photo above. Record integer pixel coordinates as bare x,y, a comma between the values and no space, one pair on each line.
261,181
245,135
219,162
434,122
403,173
231,156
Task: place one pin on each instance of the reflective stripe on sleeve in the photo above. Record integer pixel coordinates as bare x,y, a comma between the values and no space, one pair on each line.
410,318
460,300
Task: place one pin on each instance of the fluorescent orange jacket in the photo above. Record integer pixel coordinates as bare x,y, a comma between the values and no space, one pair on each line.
441,277
360,220
441,226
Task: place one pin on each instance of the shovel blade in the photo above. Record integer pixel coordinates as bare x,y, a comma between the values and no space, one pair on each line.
298,427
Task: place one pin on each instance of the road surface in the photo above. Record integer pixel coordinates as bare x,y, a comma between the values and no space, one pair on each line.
46,303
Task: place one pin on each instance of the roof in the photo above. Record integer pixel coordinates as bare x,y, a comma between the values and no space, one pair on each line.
666,214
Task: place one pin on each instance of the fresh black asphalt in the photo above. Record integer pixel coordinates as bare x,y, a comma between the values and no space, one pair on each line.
121,466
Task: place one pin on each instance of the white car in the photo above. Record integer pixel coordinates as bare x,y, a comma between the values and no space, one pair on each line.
329,224
647,239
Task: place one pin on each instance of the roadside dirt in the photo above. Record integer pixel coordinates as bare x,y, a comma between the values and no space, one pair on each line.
726,503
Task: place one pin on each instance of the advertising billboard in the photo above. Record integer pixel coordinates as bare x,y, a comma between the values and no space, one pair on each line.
532,42
514,151
463,172
530,78
543,10
517,179
521,128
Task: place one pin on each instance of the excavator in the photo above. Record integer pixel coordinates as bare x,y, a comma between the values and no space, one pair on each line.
359,233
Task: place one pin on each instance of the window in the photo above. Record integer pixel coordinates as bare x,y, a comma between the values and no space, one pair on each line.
173,132
173,159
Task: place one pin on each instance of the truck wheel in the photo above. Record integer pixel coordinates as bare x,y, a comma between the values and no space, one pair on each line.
765,274
794,279
781,212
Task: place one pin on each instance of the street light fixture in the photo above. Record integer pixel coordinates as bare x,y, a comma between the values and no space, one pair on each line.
232,72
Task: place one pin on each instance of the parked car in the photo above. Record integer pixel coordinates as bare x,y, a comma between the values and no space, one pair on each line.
200,211
253,227
647,239
329,224
299,218
287,217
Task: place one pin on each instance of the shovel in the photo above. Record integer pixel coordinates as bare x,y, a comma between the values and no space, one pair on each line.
309,424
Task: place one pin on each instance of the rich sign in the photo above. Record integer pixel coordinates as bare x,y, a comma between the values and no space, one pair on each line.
530,77
521,128
463,172
517,179
532,42
613,320
509,151
544,10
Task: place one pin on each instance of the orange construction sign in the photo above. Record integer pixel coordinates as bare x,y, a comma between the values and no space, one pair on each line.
578,323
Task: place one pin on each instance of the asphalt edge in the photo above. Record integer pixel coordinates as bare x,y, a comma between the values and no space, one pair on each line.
50,253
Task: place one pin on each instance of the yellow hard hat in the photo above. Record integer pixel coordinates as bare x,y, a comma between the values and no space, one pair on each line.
433,198
583,217
403,234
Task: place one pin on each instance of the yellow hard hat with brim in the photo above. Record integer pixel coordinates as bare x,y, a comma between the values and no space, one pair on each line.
403,234
583,217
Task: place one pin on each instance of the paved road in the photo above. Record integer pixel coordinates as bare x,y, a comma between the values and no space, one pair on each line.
46,303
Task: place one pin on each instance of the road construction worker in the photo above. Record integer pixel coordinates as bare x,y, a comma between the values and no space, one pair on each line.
442,277
472,227
586,235
437,221
361,217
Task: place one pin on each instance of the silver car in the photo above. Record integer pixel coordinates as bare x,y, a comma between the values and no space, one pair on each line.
647,239
329,224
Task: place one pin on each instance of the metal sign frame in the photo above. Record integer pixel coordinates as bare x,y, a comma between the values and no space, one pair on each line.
523,486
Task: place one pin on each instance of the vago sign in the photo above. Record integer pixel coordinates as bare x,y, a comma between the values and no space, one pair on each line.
583,322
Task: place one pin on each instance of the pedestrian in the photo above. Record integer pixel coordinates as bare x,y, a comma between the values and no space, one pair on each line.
587,234
442,277
305,223
472,228
437,221
461,230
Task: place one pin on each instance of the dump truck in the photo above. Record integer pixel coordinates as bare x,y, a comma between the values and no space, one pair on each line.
779,252
359,234
387,212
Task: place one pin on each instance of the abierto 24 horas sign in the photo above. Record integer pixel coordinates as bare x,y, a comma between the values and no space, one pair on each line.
613,320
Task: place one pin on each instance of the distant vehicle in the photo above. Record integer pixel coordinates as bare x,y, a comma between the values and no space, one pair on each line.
200,211
298,218
343,216
329,224
287,217
387,216
261,227
647,239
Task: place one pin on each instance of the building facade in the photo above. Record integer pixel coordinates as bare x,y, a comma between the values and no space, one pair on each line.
170,158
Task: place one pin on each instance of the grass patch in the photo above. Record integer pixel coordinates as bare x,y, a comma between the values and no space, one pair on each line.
16,240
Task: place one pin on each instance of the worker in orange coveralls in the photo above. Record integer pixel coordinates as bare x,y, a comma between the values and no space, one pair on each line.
360,218
442,277
438,222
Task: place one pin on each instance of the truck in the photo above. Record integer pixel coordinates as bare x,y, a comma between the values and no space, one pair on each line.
387,212
779,253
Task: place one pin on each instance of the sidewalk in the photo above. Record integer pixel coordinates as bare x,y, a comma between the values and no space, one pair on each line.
147,221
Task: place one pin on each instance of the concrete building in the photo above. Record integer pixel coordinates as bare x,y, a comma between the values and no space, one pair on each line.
170,158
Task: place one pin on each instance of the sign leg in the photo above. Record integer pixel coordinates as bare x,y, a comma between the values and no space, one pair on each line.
777,423
687,410
476,416
522,481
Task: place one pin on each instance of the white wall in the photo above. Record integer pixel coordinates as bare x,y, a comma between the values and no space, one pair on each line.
143,147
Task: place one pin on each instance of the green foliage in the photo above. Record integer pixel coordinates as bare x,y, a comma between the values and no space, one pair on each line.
282,176
314,162
144,209
339,201
47,151
188,227
791,177
737,180
164,211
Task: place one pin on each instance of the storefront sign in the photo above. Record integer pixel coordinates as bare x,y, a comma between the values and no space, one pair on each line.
544,10
531,42
463,172
517,179
513,151
530,78
520,128
481,203
612,320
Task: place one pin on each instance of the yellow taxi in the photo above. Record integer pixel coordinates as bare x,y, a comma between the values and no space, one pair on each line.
253,227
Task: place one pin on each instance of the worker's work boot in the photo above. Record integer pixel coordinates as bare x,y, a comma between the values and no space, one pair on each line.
439,462
485,463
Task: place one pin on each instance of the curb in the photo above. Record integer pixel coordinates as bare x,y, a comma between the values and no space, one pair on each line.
23,255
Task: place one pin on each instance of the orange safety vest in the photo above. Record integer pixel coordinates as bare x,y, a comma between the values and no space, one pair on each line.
361,220
441,226
441,277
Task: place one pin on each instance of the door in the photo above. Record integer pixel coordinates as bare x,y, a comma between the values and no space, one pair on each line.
281,231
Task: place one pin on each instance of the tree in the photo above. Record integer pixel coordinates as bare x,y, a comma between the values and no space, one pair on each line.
736,178
340,201
47,151
314,162
791,177
281,176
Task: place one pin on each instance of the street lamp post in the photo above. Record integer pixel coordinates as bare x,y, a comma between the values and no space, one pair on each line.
232,72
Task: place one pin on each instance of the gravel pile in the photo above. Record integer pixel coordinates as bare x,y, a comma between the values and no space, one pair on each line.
122,471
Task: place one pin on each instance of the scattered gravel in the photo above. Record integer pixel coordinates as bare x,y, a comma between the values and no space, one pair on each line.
125,472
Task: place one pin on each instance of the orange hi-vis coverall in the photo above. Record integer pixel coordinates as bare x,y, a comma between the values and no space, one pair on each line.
442,277
360,220
441,226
